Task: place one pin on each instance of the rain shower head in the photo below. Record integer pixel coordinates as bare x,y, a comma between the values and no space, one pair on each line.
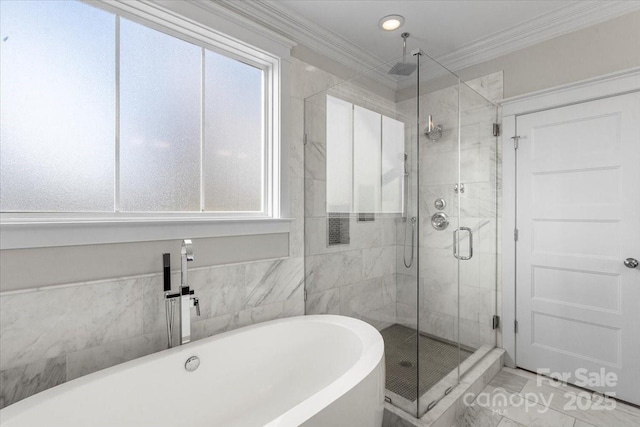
403,68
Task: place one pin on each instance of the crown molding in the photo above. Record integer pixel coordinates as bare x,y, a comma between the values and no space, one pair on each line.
292,25
565,20
248,23
613,84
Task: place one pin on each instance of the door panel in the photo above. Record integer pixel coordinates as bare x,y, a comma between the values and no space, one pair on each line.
578,204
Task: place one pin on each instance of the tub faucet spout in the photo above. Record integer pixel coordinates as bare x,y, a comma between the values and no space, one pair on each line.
186,255
187,297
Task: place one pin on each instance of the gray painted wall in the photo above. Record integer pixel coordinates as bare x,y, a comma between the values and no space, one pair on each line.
593,51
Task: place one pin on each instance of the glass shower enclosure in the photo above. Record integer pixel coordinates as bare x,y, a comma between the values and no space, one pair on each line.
401,185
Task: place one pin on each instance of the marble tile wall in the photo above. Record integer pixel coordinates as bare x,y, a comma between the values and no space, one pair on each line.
357,279
59,333
54,334
477,208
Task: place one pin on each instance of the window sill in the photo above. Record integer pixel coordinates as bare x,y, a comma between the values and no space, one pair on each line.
39,232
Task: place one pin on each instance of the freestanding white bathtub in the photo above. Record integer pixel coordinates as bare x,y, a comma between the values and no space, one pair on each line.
323,371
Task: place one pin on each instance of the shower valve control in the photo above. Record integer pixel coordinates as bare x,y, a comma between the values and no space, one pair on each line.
440,204
440,221
631,263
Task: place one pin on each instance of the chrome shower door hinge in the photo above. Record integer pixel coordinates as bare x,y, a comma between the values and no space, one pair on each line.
515,234
516,140
495,322
304,139
496,129
515,326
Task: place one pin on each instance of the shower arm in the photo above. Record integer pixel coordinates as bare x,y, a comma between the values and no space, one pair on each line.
404,46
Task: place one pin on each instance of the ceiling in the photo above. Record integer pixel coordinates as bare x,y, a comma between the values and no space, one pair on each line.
437,26
457,33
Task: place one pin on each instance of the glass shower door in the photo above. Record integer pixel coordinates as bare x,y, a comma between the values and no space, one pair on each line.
438,154
457,154
477,238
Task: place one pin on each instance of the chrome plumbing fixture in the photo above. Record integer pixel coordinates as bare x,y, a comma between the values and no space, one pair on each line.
185,295
433,131
440,221
440,204
192,363
405,216
187,298
403,68
405,187
413,234
169,299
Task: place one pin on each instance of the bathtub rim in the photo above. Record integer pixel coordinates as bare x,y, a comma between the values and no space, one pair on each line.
371,357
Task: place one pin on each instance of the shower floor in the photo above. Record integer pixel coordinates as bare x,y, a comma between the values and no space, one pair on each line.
437,359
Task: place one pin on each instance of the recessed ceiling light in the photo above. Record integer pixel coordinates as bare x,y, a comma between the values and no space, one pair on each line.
391,22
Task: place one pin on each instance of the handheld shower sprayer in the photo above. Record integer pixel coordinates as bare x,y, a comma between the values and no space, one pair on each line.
405,216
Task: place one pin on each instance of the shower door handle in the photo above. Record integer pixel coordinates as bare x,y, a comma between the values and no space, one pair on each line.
455,244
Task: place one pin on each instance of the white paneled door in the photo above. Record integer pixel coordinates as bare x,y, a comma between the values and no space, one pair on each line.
578,219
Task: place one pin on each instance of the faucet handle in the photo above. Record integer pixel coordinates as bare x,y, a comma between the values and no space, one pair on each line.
196,304
187,249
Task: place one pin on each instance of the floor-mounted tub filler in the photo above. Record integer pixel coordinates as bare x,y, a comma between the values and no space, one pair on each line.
309,370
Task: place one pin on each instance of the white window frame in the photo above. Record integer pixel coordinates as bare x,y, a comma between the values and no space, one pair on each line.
29,230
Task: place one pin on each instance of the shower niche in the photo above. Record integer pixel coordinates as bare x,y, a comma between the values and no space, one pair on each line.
422,269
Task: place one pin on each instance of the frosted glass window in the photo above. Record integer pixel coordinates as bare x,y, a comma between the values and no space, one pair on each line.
339,155
160,115
366,159
234,152
392,165
57,97
103,114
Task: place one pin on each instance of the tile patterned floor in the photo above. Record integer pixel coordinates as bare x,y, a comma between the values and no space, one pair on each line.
517,398
437,359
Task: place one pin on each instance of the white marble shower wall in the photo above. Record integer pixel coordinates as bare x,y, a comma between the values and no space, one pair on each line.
440,298
357,279
54,334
